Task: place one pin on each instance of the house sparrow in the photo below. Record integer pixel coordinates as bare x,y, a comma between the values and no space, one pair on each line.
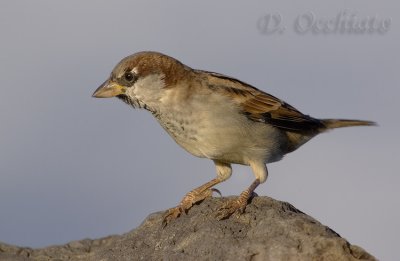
214,116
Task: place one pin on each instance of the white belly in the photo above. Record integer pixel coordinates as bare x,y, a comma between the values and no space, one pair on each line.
226,136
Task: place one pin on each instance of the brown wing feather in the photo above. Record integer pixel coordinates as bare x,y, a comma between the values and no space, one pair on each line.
263,107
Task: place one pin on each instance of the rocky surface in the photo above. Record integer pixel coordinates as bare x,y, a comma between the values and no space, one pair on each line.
268,230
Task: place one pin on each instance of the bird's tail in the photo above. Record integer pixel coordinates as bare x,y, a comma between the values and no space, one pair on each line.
337,123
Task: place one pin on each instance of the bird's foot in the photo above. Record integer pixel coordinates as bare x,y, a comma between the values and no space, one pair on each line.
233,205
187,202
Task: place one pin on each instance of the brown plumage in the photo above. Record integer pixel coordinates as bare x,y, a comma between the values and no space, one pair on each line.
214,116
263,107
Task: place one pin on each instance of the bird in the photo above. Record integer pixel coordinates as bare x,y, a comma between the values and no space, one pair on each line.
214,116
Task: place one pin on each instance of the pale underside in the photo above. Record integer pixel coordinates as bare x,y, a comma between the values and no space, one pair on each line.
214,135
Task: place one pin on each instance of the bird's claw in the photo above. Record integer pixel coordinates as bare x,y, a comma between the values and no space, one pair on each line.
171,214
230,207
216,191
235,205
187,202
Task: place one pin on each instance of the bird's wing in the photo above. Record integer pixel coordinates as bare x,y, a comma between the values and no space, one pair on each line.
262,107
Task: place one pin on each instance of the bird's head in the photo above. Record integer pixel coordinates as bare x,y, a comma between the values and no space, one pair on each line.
142,79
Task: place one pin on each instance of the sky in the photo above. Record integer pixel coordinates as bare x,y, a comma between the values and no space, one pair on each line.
74,167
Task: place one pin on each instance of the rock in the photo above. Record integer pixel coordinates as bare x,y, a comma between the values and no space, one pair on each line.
268,230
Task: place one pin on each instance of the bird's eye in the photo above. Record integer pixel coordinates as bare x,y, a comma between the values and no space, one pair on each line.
129,77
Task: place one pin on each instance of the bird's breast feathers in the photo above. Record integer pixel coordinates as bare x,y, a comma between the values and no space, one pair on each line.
218,130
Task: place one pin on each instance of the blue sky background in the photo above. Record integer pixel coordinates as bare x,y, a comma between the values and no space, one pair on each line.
74,167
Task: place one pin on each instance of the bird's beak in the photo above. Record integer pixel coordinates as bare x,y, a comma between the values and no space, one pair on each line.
109,89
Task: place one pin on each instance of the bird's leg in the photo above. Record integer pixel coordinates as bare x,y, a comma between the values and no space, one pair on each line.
239,204
190,199
224,171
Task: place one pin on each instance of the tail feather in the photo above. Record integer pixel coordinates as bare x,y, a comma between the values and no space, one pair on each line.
338,123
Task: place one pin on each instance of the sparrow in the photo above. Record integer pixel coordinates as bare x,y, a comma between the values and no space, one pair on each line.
214,116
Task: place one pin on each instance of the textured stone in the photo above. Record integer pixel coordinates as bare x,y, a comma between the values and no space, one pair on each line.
268,230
